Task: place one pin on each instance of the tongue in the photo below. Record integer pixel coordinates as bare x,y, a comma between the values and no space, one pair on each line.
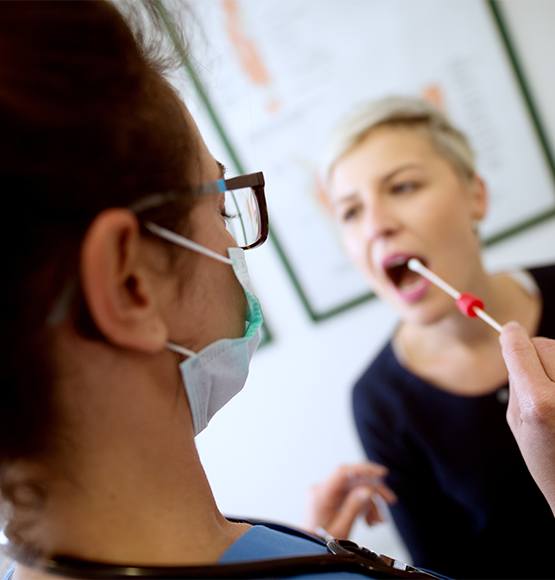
407,278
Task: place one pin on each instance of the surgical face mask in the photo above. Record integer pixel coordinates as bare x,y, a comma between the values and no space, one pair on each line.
213,376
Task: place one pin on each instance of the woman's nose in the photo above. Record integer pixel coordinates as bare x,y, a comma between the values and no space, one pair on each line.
379,222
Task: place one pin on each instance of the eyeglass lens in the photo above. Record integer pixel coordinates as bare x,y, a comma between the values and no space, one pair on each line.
243,219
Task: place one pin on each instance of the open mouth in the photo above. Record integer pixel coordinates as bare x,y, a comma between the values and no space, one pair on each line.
396,269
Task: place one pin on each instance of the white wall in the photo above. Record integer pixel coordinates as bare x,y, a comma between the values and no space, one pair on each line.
292,424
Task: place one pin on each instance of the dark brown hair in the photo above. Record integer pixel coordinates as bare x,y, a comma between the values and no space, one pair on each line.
87,123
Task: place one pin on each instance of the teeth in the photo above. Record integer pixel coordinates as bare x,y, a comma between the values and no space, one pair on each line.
400,261
410,285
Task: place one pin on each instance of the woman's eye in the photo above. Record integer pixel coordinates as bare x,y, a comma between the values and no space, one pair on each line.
350,213
404,187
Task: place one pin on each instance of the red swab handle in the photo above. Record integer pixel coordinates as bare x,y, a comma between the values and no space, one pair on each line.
467,303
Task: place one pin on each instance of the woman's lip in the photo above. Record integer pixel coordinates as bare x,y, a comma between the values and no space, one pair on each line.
415,292
394,259
397,257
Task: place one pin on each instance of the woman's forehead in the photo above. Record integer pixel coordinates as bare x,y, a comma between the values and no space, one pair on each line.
379,155
393,140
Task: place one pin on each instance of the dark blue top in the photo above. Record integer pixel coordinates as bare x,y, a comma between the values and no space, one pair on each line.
468,506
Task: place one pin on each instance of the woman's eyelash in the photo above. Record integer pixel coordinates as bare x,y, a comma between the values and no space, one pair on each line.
405,186
349,213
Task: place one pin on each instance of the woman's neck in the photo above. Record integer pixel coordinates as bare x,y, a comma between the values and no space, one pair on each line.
460,354
504,300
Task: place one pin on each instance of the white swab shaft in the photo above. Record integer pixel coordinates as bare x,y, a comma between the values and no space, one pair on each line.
487,319
417,266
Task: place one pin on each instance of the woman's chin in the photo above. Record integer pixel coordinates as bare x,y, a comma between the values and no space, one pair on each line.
425,312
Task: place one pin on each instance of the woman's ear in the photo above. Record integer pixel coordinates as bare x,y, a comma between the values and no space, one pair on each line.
321,194
120,290
479,198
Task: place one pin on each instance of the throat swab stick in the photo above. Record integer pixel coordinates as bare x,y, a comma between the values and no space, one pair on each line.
468,304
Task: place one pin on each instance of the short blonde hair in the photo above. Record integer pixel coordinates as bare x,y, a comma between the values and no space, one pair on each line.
401,111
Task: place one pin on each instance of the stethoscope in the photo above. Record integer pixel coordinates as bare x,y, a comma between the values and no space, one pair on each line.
342,556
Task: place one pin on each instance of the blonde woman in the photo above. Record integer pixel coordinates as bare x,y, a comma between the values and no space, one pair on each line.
431,407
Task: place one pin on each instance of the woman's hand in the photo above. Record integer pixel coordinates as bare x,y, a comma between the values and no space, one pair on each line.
352,490
531,410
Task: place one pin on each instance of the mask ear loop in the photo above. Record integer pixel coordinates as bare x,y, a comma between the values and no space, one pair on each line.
174,238
184,242
180,349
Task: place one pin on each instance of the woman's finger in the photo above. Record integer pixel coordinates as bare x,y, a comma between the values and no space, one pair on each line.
355,504
347,477
377,484
366,469
373,514
386,493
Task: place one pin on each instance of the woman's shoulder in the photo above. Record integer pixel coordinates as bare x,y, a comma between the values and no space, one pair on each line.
382,366
540,280
374,385
384,363
543,276
382,373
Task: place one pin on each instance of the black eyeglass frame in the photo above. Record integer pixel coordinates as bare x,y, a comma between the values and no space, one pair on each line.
253,180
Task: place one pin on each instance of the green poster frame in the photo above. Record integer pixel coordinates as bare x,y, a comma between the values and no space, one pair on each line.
500,24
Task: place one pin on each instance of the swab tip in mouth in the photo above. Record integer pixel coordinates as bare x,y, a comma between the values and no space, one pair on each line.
415,265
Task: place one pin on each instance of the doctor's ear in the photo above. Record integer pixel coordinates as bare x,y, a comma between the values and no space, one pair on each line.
120,290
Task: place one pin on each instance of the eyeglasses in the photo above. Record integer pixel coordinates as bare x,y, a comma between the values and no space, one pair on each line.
244,206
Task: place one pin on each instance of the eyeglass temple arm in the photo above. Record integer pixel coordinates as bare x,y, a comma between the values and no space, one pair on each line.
248,180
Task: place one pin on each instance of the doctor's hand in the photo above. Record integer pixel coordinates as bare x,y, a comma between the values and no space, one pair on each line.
351,491
531,410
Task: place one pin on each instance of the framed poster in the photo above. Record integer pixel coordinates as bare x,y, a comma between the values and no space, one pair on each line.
274,76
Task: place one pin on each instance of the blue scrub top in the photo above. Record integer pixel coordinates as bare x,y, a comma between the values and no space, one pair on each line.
262,543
